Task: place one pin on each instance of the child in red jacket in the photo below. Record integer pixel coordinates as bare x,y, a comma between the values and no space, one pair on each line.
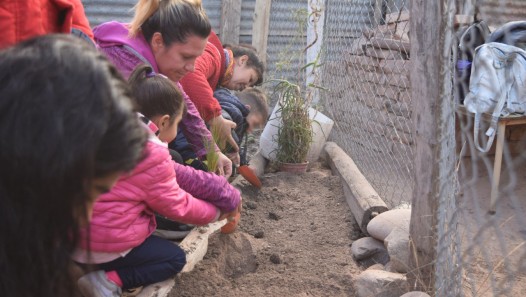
122,246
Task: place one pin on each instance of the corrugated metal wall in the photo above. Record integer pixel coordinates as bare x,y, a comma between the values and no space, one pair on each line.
100,11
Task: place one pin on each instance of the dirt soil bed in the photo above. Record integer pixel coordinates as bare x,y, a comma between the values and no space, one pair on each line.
293,240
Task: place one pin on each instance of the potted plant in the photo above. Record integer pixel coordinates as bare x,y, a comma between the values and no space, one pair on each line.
294,135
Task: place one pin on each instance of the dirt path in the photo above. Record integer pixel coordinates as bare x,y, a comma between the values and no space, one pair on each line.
294,240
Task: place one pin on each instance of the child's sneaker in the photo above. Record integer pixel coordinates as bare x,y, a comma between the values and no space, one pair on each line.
231,224
96,284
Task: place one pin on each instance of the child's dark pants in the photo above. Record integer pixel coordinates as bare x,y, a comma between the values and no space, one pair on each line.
155,260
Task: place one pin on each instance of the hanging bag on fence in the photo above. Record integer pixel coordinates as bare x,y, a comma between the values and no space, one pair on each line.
497,86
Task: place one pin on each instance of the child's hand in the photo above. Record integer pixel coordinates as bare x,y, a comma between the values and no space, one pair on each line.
222,128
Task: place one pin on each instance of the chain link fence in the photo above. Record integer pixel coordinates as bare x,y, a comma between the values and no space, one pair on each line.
367,67
492,245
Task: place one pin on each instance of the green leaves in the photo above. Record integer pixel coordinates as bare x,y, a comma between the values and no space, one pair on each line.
295,132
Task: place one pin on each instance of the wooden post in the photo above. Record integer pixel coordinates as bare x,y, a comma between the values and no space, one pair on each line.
260,27
469,7
230,21
433,120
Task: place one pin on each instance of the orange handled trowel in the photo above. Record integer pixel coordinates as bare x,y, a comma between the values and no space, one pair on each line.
249,175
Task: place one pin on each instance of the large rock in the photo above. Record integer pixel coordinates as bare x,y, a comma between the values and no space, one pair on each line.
415,294
397,243
366,247
381,225
380,283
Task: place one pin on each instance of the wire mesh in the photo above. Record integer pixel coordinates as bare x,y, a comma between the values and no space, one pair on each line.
366,69
287,39
492,245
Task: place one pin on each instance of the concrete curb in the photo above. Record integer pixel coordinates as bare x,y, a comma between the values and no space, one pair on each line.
363,200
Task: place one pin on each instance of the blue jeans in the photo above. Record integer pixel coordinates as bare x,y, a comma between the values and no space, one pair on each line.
155,260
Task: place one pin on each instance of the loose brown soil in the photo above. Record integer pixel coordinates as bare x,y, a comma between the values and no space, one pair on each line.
293,240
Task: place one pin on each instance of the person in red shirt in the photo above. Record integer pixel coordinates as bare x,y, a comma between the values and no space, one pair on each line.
23,19
231,67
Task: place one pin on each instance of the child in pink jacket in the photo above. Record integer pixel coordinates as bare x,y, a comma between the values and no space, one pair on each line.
121,242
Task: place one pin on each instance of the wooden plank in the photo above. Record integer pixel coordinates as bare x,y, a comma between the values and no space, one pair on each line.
381,91
363,63
402,151
371,76
395,66
391,44
400,123
400,80
397,17
384,54
230,21
402,31
397,108
460,20
260,27
399,136
357,47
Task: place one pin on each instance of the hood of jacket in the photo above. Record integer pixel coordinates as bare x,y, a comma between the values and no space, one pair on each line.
116,34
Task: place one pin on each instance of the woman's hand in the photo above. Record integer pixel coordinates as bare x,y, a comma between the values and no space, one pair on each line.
234,157
221,129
